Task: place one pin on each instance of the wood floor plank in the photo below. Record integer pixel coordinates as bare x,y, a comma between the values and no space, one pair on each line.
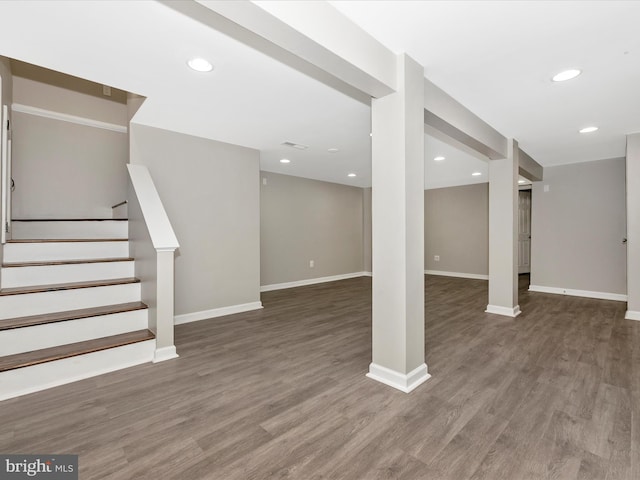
282,393
592,467
69,220
65,240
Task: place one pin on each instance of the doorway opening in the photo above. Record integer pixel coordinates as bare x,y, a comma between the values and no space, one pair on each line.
524,235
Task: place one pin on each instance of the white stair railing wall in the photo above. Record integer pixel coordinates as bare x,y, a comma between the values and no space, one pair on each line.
153,243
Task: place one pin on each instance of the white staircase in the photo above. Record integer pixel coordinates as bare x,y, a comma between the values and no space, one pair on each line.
69,305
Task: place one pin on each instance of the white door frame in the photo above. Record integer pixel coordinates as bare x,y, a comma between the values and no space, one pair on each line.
5,175
524,233
4,172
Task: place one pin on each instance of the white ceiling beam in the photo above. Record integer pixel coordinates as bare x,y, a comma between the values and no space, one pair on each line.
361,59
444,112
312,37
447,133
315,38
529,168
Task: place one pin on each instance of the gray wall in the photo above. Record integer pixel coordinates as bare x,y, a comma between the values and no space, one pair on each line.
303,220
62,169
7,80
457,229
67,100
578,227
65,170
210,191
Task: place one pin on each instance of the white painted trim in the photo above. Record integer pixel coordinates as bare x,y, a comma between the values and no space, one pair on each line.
37,337
4,173
631,315
618,297
165,353
312,281
216,312
65,117
401,381
506,311
367,274
21,381
475,276
155,216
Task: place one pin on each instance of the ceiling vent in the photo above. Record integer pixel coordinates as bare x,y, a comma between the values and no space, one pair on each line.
295,145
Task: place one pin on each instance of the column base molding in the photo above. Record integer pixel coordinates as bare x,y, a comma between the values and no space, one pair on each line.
405,382
165,353
631,315
506,311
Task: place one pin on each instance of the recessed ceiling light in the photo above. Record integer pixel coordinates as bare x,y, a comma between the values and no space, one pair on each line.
200,65
332,150
521,181
439,159
566,75
476,174
351,175
588,129
285,160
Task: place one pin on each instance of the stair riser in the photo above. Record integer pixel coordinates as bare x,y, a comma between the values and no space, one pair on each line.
62,300
49,274
22,381
27,339
54,251
77,229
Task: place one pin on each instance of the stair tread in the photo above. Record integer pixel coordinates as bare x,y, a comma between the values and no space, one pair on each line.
66,286
44,318
20,360
66,262
69,219
65,240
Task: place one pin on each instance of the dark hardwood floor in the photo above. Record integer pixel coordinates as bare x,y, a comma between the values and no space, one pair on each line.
281,393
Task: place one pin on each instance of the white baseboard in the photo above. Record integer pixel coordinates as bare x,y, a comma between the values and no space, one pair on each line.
367,274
506,311
165,353
401,381
631,315
475,276
578,293
312,281
216,312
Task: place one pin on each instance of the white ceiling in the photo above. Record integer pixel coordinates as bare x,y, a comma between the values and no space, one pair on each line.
497,58
455,169
249,99
494,57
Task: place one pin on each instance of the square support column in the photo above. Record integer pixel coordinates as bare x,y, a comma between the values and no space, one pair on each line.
398,231
503,234
633,227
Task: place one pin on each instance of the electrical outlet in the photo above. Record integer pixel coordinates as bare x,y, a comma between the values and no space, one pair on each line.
436,258
312,263
264,181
